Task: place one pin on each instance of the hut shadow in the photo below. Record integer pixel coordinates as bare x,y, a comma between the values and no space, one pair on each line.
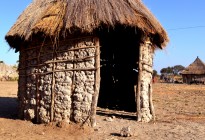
115,134
115,113
8,108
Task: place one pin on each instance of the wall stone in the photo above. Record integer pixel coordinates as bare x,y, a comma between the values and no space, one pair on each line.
146,80
57,82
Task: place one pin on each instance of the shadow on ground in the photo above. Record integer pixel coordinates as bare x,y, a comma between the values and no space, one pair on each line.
118,114
8,107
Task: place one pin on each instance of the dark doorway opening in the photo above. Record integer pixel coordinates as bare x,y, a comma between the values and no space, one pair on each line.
119,68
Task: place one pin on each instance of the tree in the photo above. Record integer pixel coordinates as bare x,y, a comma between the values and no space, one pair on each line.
168,70
172,70
163,70
1,61
178,68
154,73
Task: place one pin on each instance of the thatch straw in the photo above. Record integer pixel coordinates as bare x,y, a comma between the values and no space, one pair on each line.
62,17
197,67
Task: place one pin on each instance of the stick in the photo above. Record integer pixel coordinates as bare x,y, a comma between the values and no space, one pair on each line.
54,61
139,86
52,88
97,84
74,60
37,86
150,102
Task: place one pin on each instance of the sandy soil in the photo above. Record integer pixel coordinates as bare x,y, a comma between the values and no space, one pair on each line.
180,114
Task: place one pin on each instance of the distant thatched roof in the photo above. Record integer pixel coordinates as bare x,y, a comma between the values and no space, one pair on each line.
197,67
57,18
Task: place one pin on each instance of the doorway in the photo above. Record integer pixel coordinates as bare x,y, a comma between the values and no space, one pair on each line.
119,68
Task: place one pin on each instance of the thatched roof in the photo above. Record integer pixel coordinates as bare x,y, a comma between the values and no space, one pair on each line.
197,67
55,18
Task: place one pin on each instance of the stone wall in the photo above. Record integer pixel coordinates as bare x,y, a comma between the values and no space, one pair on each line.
57,82
146,59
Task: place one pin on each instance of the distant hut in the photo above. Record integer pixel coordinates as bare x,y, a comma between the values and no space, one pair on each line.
61,45
195,72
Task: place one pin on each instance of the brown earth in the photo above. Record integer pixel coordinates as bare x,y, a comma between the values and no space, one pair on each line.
180,114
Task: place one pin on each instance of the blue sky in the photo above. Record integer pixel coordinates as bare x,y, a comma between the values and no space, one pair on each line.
174,15
9,12
185,44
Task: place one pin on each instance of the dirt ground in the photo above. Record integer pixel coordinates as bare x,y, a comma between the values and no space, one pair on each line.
180,114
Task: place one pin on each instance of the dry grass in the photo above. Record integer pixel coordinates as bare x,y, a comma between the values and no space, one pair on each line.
57,17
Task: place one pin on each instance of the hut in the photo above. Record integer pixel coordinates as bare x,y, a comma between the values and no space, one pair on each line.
63,46
195,72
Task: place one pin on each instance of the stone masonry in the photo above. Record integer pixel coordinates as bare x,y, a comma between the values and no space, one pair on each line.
146,80
57,83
